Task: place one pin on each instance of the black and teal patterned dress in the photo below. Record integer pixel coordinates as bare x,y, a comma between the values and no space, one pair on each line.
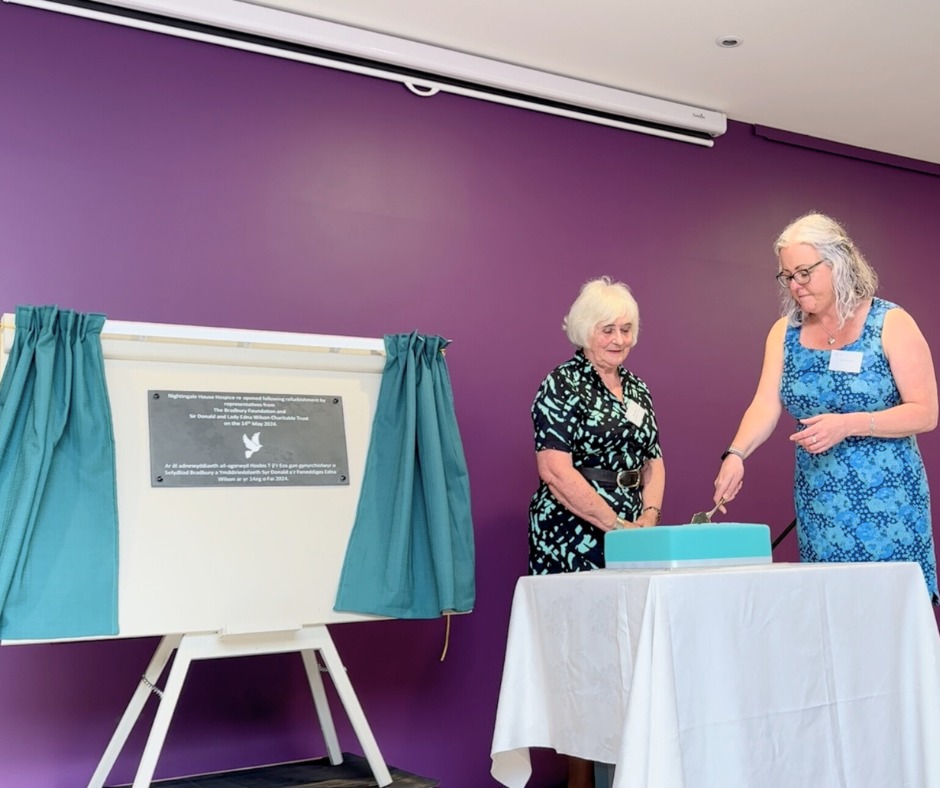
865,499
575,413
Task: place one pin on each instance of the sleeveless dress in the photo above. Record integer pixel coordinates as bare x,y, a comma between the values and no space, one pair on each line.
865,499
574,412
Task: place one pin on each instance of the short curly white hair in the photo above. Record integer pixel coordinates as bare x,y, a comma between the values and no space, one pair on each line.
600,301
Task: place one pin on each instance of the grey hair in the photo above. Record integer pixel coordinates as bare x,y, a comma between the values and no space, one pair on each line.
853,279
600,301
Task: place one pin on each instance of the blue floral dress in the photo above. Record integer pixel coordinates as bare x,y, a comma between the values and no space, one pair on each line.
575,413
865,499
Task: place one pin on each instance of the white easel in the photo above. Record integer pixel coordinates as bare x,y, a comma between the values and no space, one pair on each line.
308,641
253,572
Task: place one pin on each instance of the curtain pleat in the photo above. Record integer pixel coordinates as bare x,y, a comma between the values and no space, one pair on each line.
411,550
58,510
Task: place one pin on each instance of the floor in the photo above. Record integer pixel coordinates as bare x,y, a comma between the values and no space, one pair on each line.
354,772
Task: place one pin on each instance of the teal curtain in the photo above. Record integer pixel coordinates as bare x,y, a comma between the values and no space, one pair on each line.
411,552
58,511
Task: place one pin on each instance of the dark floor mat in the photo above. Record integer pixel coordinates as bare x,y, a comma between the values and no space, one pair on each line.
353,772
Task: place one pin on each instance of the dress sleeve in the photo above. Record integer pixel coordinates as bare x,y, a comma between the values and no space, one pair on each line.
648,431
654,450
554,413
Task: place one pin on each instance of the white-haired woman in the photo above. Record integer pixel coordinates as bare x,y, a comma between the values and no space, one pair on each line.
596,438
597,447
856,373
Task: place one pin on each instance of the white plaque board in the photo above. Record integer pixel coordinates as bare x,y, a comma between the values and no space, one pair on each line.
230,559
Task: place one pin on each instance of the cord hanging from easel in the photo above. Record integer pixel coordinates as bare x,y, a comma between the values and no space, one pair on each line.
446,635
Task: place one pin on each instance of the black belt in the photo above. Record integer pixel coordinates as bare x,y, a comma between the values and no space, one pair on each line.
625,480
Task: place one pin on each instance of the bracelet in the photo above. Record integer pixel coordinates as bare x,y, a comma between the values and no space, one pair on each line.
734,451
871,425
659,512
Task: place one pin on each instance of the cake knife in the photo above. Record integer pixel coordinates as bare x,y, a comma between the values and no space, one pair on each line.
706,517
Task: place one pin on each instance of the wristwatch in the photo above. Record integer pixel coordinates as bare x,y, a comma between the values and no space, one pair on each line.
734,451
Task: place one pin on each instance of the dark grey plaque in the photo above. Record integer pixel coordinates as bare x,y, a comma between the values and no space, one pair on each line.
238,439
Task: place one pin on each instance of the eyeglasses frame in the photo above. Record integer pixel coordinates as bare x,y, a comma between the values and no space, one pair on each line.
784,279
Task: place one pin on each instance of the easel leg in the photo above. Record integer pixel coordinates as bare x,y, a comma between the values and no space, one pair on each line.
192,647
322,705
354,711
154,670
161,723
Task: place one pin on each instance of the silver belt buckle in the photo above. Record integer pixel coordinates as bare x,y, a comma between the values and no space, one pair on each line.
621,476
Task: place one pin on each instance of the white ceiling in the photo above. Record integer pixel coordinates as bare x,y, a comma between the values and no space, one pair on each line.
860,72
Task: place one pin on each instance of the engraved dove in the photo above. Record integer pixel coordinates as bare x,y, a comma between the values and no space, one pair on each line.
252,444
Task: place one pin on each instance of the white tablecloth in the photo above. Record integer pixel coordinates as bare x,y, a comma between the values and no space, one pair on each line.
789,675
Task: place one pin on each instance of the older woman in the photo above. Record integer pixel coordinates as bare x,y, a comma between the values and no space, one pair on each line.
857,375
596,438
597,447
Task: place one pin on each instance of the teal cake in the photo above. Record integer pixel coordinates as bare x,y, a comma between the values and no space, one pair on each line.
676,546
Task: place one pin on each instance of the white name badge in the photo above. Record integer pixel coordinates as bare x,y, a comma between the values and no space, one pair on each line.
635,413
846,361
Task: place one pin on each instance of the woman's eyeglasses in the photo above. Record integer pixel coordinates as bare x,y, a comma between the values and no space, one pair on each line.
800,275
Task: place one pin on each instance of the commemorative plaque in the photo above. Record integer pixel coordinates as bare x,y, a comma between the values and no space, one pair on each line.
239,439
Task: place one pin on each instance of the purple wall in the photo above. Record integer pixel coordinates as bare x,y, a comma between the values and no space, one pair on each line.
155,179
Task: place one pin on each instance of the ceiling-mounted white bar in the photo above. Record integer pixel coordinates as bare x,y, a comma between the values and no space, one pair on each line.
279,25
397,51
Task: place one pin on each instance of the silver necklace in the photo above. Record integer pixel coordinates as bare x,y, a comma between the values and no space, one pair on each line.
832,339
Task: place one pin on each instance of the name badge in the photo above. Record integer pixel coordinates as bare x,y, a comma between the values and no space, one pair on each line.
635,413
846,361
